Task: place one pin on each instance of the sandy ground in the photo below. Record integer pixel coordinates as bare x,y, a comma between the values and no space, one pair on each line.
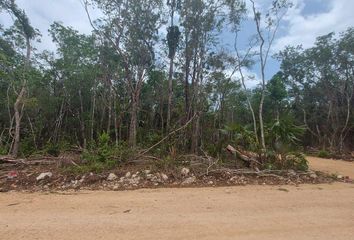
250,212
332,166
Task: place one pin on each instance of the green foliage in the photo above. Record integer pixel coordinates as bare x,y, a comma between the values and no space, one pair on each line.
3,150
241,135
52,149
103,156
323,154
173,38
277,88
166,163
27,147
284,133
294,161
318,76
88,85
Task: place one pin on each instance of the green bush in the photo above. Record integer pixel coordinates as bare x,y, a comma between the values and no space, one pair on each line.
323,154
52,149
296,161
3,150
103,155
27,147
241,136
166,163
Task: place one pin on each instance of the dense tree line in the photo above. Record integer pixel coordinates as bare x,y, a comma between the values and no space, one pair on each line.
138,83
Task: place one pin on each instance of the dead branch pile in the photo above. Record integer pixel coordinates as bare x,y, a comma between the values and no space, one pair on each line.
42,160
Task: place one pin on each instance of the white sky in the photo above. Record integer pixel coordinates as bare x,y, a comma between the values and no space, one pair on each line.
303,23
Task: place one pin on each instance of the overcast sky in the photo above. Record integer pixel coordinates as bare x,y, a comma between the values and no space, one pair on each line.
304,22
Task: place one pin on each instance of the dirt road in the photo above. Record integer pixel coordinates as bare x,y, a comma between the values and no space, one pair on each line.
332,166
250,212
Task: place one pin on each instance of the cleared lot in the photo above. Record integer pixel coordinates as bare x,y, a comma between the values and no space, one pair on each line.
332,166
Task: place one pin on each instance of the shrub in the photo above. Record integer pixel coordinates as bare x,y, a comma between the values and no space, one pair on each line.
27,147
323,154
102,156
3,150
52,149
296,161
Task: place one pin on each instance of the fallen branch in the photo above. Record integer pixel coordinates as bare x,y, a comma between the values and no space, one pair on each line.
168,135
9,159
211,161
251,157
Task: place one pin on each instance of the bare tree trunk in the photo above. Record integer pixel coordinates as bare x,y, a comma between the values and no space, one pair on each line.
161,114
186,81
115,119
19,103
249,104
33,133
135,95
170,94
263,55
263,61
109,121
93,111
195,134
17,107
240,64
133,121
196,97
342,135
261,126
82,121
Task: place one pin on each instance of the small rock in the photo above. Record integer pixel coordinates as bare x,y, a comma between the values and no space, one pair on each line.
313,175
339,177
234,178
149,176
128,174
134,175
44,175
154,179
185,171
74,182
115,187
82,179
291,172
189,180
147,172
164,177
111,177
134,181
210,182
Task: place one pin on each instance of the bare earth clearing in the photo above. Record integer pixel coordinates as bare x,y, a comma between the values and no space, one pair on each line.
332,166
250,212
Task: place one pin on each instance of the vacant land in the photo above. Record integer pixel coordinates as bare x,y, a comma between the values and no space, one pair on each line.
332,166
323,211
